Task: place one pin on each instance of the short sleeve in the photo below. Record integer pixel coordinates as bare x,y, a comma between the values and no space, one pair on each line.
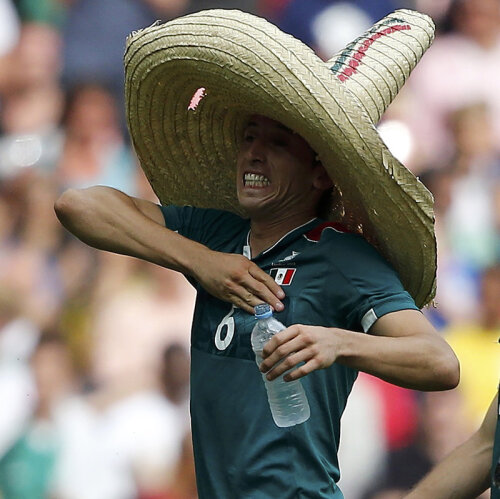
368,286
213,228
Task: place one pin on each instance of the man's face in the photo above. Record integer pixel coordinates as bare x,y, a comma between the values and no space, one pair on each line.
276,169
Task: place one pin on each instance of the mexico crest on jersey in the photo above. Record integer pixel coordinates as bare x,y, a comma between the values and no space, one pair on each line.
282,276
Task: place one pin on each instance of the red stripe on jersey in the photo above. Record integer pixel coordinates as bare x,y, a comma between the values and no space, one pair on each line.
287,279
315,234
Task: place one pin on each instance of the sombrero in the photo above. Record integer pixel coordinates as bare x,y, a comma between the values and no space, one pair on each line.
192,83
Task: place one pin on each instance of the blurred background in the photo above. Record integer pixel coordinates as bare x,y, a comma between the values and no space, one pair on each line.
94,347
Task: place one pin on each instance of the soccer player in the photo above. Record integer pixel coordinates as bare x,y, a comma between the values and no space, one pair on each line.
276,195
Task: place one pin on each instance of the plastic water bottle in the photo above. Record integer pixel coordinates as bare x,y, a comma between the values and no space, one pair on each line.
287,400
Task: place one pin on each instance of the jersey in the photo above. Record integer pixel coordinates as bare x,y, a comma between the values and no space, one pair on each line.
495,467
330,278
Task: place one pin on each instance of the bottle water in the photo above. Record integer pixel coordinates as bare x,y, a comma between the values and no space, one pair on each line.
287,400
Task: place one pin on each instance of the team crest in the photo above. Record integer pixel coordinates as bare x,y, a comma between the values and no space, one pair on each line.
283,277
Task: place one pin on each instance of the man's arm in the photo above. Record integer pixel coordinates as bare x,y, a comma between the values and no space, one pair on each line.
403,348
465,472
110,220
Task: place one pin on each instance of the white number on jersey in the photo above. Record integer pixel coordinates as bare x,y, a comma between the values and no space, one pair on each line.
228,322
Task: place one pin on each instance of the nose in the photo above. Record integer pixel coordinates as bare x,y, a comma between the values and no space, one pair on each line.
257,150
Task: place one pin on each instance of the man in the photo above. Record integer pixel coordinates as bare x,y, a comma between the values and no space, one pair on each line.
471,468
229,116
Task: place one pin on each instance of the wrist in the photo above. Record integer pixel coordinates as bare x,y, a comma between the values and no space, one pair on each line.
192,258
347,346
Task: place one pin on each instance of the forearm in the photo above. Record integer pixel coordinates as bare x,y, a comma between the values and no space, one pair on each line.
402,348
419,362
462,474
108,219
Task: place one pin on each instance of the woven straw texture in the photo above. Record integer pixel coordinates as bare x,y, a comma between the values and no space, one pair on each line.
247,66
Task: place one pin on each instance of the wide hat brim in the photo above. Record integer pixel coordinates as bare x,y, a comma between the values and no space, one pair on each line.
248,66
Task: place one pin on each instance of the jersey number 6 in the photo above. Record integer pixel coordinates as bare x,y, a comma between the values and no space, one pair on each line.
228,322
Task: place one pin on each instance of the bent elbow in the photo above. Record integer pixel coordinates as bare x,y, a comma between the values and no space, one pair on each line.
448,371
69,204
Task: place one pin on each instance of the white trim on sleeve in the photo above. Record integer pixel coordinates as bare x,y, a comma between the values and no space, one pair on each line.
368,320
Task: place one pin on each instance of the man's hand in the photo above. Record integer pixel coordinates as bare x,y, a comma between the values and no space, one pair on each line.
315,346
236,279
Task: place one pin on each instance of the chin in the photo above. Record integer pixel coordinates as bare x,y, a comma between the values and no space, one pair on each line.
251,205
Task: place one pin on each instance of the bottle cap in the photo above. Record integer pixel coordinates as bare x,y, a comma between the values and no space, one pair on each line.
263,310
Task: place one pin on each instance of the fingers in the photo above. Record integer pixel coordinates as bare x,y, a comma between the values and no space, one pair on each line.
305,357
307,368
266,288
282,354
278,346
308,347
236,279
245,299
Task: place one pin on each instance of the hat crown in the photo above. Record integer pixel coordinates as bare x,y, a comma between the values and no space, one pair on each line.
373,68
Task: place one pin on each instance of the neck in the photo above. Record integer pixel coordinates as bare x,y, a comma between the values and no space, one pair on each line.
266,232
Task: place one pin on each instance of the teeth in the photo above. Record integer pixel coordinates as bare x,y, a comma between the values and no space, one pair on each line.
255,180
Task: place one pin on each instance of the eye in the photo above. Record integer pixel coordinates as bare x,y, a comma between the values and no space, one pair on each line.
248,137
279,142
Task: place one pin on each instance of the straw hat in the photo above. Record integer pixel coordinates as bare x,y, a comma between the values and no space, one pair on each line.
192,83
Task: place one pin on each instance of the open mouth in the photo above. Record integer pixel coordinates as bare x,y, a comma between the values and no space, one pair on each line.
255,180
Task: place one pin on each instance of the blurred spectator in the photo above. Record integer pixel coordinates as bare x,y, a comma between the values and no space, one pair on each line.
174,382
456,298
50,12
27,469
34,60
174,376
457,70
9,36
328,25
437,9
140,308
32,103
94,36
31,133
116,443
362,439
472,223
183,485
94,150
271,9
467,194
439,432
474,345
18,339
244,5
9,28
27,265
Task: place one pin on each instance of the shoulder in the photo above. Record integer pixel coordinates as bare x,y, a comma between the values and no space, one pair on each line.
176,216
216,229
336,239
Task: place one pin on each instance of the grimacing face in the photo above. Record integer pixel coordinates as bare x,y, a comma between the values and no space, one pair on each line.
277,170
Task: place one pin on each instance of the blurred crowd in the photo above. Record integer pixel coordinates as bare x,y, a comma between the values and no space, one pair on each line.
94,347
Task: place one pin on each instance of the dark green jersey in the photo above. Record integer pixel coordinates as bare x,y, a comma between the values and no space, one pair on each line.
495,468
330,278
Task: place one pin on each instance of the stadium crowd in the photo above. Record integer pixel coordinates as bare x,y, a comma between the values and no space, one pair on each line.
94,347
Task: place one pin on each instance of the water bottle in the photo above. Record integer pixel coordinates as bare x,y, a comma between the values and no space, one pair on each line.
287,400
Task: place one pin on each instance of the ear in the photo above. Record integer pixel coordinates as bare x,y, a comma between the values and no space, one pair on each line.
321,180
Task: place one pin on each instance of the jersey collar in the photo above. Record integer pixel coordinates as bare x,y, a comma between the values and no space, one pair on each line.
284,241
